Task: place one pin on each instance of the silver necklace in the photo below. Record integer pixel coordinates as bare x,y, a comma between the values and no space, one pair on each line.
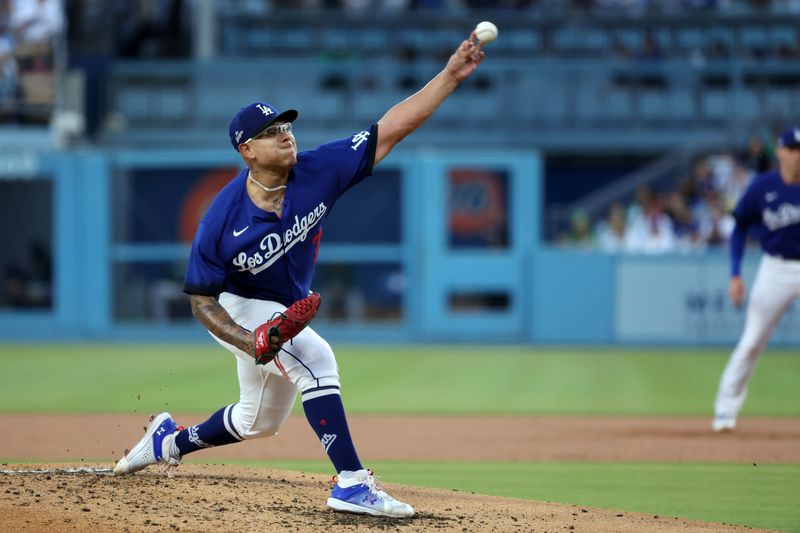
266,189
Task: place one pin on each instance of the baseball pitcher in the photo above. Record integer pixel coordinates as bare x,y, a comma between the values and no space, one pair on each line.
249,278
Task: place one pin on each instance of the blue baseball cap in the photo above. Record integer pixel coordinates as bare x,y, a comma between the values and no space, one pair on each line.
255,118
790,138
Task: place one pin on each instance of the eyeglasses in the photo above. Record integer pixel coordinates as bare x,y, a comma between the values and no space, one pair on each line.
272,131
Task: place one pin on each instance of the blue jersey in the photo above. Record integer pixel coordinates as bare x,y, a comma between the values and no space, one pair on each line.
773,207
242,249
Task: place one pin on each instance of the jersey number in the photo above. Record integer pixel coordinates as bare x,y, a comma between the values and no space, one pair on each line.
316,240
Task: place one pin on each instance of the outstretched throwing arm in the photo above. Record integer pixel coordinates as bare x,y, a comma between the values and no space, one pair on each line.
409,114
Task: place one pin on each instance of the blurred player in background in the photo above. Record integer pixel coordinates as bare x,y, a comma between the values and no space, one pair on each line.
254,255
772,204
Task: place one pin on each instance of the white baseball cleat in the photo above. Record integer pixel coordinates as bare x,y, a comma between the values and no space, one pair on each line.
723,424
152,448
360,492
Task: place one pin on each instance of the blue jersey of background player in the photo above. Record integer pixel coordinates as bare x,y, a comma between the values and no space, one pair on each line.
770,205
253,256
242,249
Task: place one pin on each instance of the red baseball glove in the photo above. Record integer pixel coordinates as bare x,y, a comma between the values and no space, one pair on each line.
270,336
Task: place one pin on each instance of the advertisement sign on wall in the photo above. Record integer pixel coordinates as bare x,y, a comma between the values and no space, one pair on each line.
686,301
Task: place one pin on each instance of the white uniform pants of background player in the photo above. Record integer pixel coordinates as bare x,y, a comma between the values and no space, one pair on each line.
267,392
776,286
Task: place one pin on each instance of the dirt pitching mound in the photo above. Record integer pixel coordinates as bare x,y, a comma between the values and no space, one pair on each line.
219,498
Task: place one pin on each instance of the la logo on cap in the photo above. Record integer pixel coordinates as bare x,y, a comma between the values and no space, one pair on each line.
264,109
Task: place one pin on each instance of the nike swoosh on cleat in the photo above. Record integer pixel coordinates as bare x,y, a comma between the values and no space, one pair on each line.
237,233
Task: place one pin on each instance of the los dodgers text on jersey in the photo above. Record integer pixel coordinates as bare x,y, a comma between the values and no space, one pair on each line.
273,247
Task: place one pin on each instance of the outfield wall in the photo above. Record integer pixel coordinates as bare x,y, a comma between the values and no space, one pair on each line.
437,246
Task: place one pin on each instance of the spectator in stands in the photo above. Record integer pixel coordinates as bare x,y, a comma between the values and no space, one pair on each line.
755,156
730,179
700,182
36,22
722,168
693,188
28,281
153,28
636,209
610,232
684,225
649,228
715,223
579,234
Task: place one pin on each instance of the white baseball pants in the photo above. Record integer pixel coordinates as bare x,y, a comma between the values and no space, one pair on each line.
267,392
776,286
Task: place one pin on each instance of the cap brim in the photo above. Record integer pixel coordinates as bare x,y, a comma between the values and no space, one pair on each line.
790,138
290,115
788,143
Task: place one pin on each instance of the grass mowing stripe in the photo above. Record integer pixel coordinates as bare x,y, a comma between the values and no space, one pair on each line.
764,496
397,379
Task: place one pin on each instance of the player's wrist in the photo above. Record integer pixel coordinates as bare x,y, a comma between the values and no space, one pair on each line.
450,77
263,349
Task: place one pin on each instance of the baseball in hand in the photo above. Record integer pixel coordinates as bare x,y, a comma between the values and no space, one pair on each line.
486,32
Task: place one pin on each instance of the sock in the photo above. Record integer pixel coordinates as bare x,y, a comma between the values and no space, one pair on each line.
327,419
218,430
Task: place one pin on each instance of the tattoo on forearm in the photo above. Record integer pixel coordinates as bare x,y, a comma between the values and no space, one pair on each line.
216,320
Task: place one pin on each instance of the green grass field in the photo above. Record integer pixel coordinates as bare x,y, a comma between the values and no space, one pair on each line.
121,378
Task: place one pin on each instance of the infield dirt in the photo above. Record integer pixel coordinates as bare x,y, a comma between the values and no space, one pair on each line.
232,498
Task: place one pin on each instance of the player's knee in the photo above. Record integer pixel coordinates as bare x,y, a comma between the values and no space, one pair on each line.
262,429
325,370
324,354
255,423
